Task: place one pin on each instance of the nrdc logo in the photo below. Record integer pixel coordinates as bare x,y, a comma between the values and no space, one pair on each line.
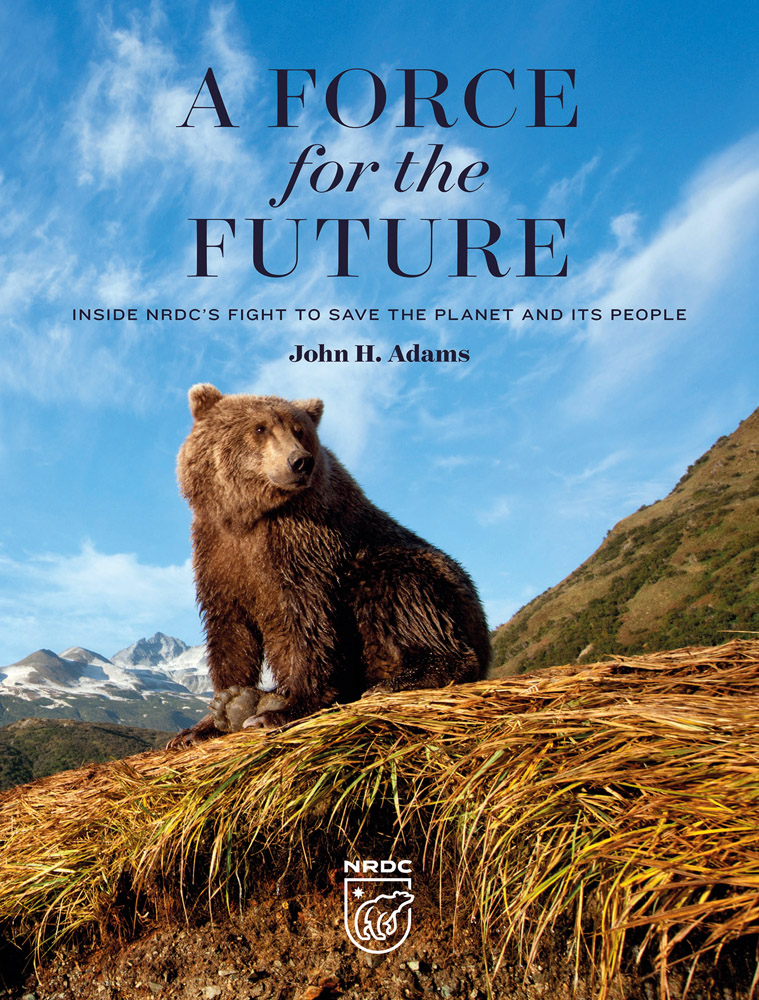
377,909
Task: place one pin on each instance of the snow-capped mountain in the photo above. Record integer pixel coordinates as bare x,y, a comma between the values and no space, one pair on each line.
154,652
159,682
183,664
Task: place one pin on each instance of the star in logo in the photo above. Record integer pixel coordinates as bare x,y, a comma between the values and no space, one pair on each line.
358,892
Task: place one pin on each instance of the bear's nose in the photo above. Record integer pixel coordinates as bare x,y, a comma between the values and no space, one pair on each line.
300,461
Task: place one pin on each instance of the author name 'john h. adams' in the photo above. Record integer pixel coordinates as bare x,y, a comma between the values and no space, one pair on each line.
368,352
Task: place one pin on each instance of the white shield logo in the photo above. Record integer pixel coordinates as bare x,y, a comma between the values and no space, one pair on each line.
377,912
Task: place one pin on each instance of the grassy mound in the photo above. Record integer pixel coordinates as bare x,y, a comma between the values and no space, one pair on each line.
619,800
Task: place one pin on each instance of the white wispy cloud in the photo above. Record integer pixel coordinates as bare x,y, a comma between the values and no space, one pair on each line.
625,228
450,463
605,499
594,471
702,247
58,362
237,70
565,191
91,598
119,284
499,510
134,98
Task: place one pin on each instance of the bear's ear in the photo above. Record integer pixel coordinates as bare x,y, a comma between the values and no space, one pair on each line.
202,397
313,407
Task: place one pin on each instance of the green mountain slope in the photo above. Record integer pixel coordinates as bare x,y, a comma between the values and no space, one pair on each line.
35,748
683,571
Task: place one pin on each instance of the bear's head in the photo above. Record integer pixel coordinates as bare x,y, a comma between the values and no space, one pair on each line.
247,455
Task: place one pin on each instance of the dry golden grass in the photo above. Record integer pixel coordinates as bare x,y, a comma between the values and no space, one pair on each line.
622,797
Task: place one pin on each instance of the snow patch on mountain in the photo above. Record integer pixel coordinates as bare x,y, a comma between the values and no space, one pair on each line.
83,655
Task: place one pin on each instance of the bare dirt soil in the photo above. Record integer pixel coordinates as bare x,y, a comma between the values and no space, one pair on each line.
296,948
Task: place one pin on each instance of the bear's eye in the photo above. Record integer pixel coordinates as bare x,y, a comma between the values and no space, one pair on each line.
260,428
298,432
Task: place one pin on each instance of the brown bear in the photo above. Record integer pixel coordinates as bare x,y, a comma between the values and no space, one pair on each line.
295,565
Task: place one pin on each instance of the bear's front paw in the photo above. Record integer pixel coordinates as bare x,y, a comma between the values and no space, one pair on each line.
231,707
271,711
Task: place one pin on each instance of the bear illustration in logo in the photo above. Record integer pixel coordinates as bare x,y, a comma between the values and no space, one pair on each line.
378,913
377,919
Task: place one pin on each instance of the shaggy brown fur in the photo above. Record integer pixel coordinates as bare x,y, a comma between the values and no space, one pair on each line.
292,562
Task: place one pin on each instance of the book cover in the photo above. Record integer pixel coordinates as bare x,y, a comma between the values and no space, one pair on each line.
512,248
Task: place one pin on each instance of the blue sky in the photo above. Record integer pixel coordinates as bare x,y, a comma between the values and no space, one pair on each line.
517,462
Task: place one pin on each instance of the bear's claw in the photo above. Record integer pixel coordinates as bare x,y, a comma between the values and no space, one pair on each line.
203,730
270,711
267,720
